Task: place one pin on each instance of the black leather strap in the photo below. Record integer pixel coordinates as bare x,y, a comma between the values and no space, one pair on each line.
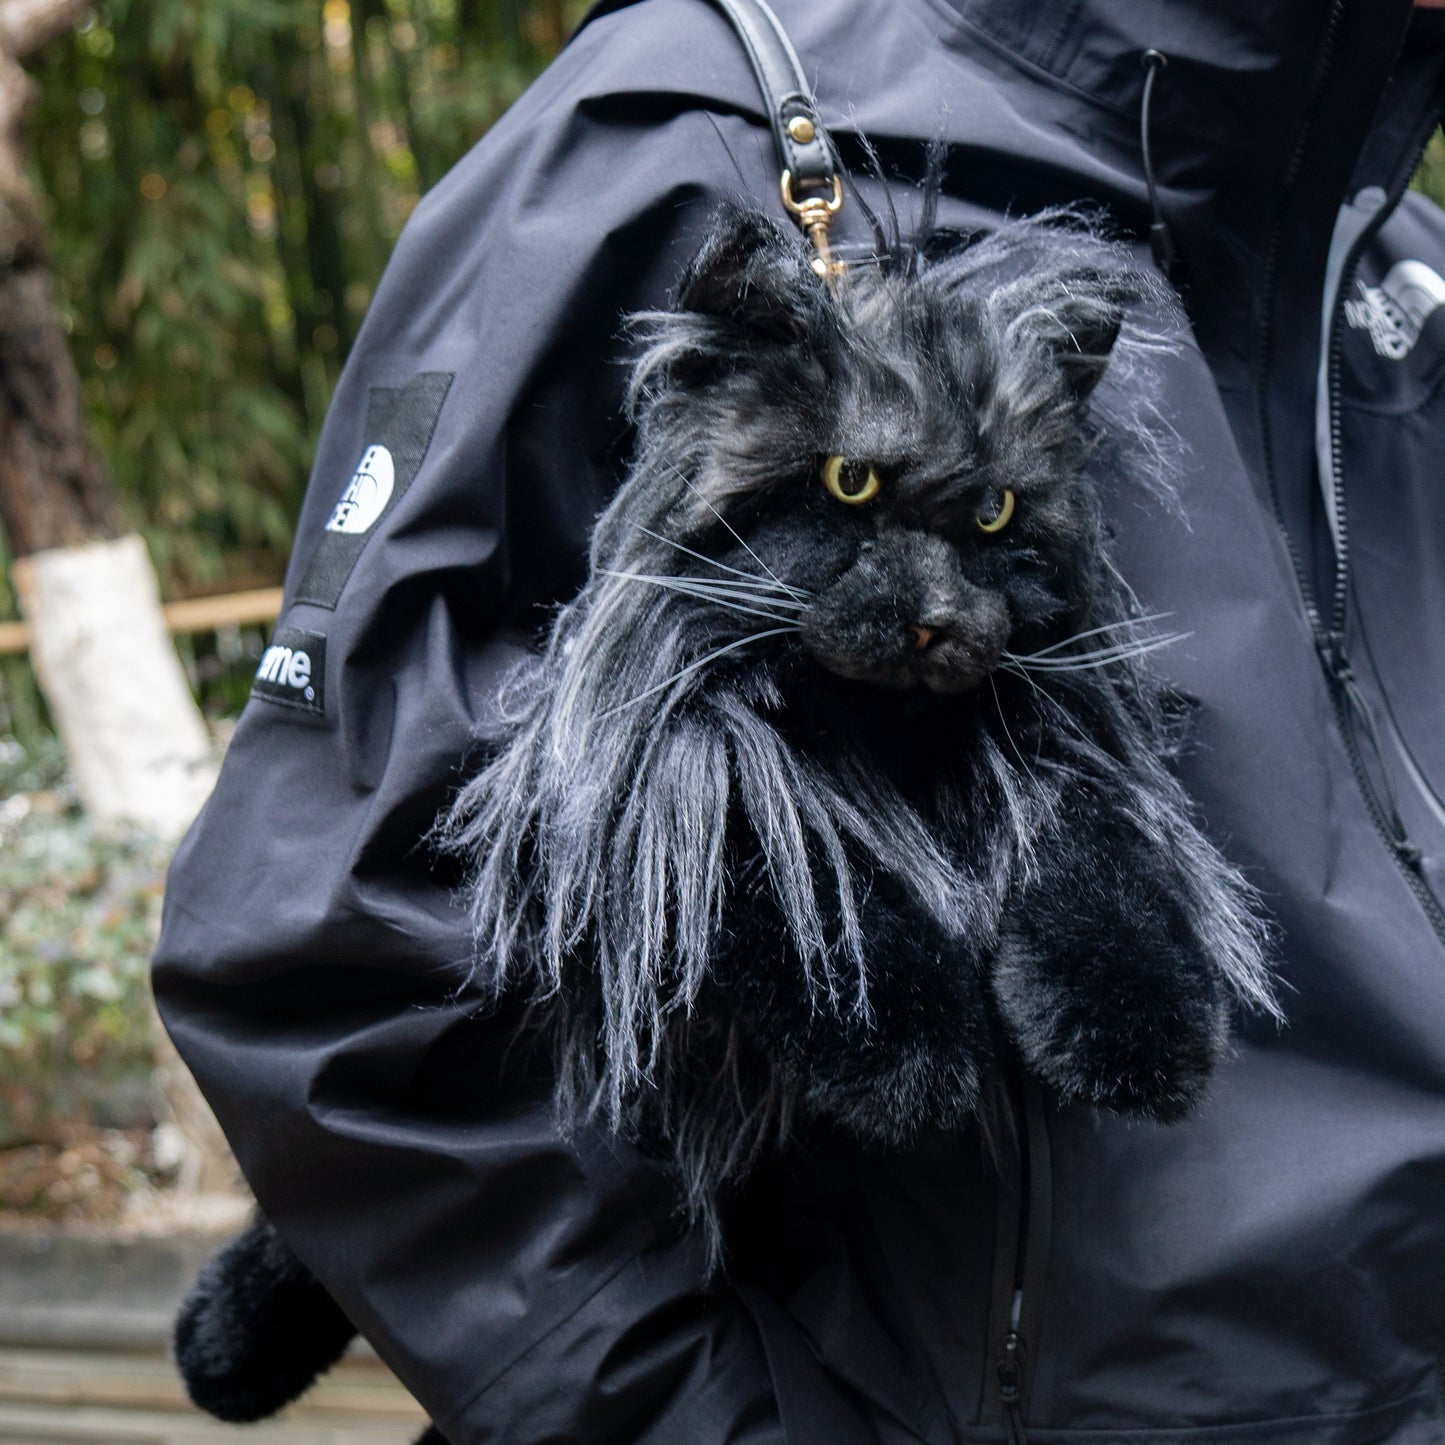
787,99
786,95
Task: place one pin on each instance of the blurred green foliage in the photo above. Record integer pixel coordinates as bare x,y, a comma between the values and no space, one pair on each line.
226,180
1430,176
36,768
81,910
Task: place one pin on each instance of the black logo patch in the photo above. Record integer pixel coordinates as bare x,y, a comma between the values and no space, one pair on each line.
293,671
399,426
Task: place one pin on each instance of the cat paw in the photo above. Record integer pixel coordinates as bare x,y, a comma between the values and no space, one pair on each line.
1136,1035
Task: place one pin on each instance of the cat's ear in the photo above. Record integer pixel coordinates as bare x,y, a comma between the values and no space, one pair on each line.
754,272
1084,339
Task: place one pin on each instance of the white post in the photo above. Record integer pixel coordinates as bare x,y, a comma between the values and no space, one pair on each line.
134,738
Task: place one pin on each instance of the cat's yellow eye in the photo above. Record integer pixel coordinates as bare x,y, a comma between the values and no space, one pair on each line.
850,480
1000,518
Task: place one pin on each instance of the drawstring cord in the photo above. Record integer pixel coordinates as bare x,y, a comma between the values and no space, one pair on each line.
1161,242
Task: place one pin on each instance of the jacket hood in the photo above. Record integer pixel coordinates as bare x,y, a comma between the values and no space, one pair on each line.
1257,120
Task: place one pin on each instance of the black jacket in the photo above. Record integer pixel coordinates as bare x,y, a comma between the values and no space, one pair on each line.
1272,1270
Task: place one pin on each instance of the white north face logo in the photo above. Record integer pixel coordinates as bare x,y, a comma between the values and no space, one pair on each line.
366,494
1395,311
287,667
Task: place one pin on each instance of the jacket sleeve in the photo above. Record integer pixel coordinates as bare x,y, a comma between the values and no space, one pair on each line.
313,961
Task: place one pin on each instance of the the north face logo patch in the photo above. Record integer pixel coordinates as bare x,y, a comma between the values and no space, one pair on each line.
293,671
400,421
366,494
1395,311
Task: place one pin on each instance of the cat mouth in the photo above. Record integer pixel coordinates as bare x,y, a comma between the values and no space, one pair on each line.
904,615
945,639
929,655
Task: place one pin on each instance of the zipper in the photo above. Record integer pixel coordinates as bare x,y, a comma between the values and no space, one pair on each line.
1340,595
1264,339
1020,1266
1350,707
1352,714
1009,1371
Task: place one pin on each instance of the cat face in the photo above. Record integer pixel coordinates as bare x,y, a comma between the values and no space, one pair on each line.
902,455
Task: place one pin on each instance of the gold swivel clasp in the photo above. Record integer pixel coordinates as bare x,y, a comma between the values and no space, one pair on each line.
814,213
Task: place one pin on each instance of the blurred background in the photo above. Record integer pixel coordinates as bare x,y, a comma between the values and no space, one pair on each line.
197,198
221,183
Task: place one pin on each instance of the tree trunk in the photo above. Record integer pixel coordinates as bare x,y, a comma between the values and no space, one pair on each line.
135,741
54,491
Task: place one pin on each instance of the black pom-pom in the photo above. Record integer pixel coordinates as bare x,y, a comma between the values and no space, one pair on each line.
256,1329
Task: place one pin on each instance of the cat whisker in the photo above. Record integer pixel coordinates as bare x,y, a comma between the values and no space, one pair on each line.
762,591
711,587
750,578
1042,693
1003,723
683,478
673,584
1121,650
1095,631
1102,657
1112,649
693,667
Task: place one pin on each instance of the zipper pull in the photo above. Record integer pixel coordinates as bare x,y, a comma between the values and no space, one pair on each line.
1331,648
1009,1371
1360,720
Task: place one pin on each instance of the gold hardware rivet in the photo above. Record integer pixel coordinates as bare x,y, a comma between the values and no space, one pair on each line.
801,129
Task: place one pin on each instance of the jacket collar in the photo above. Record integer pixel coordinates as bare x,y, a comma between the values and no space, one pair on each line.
1258,119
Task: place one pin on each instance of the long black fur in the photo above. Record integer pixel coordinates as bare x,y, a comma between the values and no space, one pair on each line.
764,855
758,855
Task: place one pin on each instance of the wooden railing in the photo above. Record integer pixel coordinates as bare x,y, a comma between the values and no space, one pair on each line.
196,614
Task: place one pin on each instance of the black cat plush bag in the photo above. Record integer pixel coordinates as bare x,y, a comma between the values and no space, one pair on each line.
840,793
840,784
